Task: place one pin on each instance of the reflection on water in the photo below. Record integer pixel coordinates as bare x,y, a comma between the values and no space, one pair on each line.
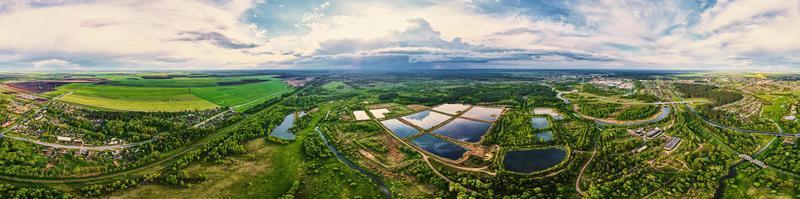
539,122
426,119
282,130
464,130
440,147
527,161
545,136
483,113
399,128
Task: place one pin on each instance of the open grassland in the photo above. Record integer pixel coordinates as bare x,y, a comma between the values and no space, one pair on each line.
127,98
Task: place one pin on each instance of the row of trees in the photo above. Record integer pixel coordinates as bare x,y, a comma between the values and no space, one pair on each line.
637,112
720,97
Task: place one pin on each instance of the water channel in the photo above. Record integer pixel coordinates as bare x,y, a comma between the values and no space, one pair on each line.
374,178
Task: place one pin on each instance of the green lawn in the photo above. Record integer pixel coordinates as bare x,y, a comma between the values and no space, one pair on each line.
130,98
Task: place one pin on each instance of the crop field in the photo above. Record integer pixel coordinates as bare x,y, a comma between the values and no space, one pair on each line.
126,93
240,94
130,98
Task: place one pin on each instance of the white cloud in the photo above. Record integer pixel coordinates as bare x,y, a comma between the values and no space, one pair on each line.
180,34
49,64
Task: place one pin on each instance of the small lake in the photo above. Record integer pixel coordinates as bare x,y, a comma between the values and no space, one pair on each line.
282,131
426,119
400,129
464,130
545,136
540,122
440,147
483,113
528,161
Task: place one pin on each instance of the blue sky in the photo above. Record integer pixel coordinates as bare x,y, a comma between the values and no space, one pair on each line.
265,34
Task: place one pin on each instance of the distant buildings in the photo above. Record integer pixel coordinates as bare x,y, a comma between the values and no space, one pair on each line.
647,133
612,82
640,149
63,139
672,143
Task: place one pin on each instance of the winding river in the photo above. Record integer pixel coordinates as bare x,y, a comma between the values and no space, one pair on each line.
374,178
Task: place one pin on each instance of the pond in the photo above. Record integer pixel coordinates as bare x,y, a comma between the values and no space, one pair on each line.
528,161
282,131
451,109
400,129
545,136
464,130
483,113
426,119
440,147
540,122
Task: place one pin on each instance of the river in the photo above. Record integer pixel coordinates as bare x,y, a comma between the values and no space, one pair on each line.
374,178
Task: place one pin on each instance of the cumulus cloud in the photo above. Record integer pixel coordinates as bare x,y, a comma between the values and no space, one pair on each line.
421,45
57,64
186,34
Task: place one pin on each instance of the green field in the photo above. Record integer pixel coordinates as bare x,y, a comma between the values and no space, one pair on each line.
240,94
127,93
131,98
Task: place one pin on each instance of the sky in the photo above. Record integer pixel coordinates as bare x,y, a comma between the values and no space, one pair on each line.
43,35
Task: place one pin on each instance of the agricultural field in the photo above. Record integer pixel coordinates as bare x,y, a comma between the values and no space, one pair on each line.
126,93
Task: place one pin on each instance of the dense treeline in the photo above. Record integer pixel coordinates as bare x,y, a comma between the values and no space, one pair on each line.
592,89
731,119
513,129
642,97
508,94
599,109
637,112
11,191
784,156
720,97
576,133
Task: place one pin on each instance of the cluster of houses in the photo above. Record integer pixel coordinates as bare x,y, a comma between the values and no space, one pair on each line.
652,133
298,82
613,82
69,140
52,152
